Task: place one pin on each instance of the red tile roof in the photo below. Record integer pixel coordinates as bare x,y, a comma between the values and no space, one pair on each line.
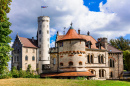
67,74
71,34
28,42
85,37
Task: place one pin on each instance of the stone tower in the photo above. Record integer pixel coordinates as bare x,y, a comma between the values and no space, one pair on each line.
43,42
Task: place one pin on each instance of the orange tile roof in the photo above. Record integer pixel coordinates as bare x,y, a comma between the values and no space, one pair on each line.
28,42
63,74
71,34
85,37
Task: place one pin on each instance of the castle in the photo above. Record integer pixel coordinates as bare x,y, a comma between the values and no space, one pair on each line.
74,54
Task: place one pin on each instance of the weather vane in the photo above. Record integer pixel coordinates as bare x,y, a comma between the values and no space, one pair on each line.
71,24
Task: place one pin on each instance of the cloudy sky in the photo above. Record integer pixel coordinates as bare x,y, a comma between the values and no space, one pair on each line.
103,18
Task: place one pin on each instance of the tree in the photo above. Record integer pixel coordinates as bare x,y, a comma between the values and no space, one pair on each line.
126,55
5,39
120,43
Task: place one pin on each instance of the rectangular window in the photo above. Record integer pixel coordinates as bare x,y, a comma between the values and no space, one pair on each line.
39,31
39,39
39,52
54,61
26,50
47,31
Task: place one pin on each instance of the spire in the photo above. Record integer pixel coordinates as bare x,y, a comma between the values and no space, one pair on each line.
71,25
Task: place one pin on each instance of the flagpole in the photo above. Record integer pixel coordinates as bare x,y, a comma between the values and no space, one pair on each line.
43,7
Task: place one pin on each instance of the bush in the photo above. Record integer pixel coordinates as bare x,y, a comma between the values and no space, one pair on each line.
80,78
14,73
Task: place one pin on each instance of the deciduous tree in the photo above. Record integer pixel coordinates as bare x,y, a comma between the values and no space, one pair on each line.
5,39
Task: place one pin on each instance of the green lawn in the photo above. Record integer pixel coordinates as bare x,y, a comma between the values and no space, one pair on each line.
59,82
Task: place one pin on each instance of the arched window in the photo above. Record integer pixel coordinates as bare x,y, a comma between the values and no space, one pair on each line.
88,59
80,63
102,61
101,73
99,59
112,63
33,58
61,64
70,63
92,71
91,59
26,58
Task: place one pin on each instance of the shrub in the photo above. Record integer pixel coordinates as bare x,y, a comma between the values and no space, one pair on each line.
80,78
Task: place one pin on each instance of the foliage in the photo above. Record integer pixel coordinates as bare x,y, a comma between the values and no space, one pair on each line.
120,43
126,55
81,78
14,73
5,39
4,8
29,68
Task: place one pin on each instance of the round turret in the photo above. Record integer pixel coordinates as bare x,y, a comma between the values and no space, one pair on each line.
43,42
72,52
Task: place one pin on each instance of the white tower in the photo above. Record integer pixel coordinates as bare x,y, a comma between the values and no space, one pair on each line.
43,42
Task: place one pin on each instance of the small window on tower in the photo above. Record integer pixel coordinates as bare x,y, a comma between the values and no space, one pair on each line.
39,31
47,31
26,50
39,39
39,52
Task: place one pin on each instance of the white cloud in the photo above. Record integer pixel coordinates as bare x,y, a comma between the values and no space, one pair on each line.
113,20
52,44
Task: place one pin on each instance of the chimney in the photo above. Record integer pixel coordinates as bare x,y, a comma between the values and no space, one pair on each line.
88,33
103,42
57,33
78,31
32,39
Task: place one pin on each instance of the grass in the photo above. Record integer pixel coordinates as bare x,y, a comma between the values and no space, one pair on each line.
59,82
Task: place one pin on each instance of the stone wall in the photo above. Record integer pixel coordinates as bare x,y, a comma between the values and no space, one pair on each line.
118,64
30,52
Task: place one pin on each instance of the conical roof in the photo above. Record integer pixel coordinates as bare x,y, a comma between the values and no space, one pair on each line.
71,34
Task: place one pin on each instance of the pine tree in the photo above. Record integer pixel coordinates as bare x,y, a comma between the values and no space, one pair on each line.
5,39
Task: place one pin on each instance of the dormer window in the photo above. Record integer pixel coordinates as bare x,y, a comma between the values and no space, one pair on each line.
98,45
88,44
